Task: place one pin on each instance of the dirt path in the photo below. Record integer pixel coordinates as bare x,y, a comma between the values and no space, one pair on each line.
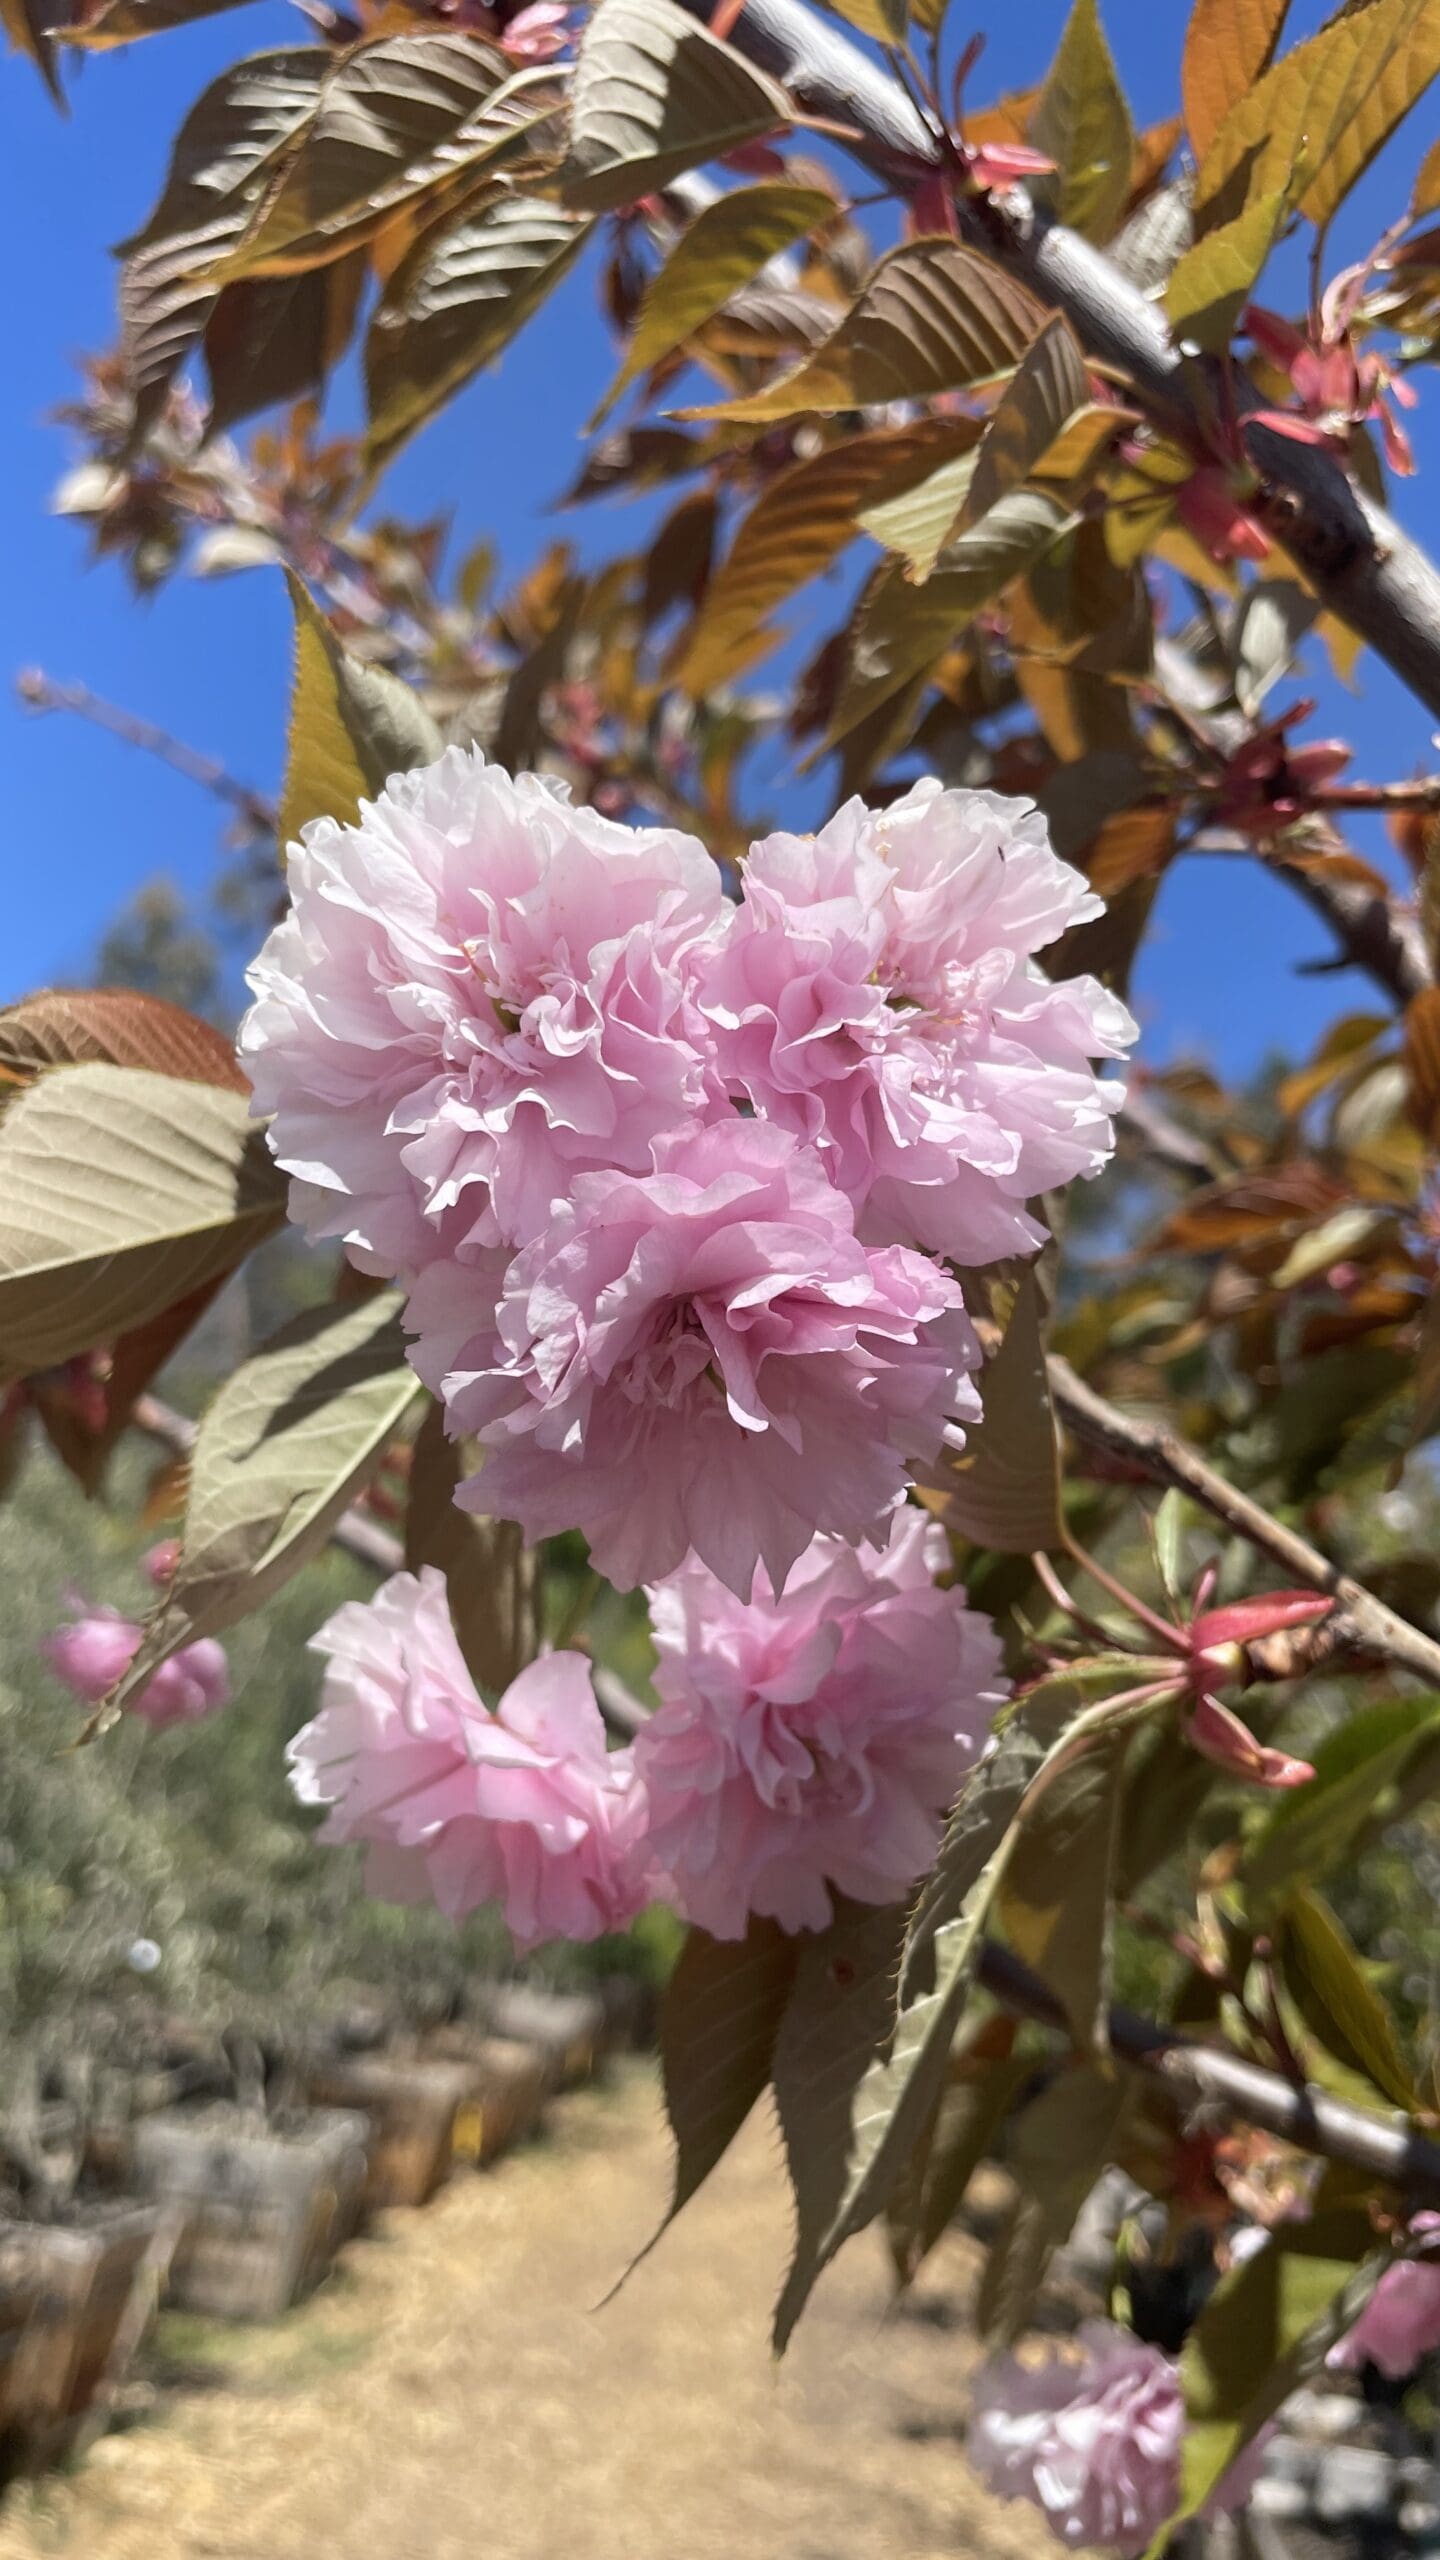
453,2396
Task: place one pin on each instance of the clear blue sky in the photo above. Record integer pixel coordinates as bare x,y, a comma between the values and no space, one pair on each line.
87,819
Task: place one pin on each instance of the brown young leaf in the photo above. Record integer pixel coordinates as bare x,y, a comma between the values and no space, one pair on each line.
1029,418
1312,125
31,30
798,525
655,94
930,317
727,243
454,304
1228,44
110,1026
124,21
276,339
1083,123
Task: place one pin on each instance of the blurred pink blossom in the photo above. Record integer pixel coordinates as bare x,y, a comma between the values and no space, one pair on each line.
99,1645
812,1742
524,1807
1401,2321
877,994
1093,2439
538,33
703,1357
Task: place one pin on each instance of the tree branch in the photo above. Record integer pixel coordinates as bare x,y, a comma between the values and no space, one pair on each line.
1352,551
1360,1622
1211,2076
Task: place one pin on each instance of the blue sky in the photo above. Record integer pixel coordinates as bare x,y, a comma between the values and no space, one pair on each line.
89,819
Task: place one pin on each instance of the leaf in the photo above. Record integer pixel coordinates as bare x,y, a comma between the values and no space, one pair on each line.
919,521
1050,386
1057,1895
277,339
1057,2147
351,726
718,2023
123,21
654,94
971,2113
121,1192
1156,237
1228,43
454,304
490,1574
1315,1829
1268,2326
837,2017
1315,121
726,244
393,120
1083,124
930,317
1003,1488
85,1444
31,30
1273,618
1211,284
798,525
228,145
901,630
109,1026
281,1450
1323,1975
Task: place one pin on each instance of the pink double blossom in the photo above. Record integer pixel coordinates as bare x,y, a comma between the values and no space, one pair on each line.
1093,2439
702,1357
1400,2323
877,994
811,1743
524,1807
97,1648
479,992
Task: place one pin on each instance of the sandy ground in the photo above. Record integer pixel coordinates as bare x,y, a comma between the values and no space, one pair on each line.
453,2391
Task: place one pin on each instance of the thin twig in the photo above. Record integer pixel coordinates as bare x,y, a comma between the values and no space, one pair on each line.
1360,1622
40,692
1212,2077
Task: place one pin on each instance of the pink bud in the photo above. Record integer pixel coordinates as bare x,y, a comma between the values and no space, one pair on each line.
999,164
1219,1735
161,1561
91,1653
538,33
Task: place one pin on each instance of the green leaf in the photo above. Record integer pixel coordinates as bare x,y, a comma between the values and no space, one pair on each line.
1228,43
918,522
121,1191
351,726
930,317
1003,1490
281,1450
971,2112
225,153
395,120
727,243
796,528
837,2017
1057,2147
718,2024
454,304
110,1026
900,630
1324,1978
1083,124
1057,1896
1032,413
1211,284
1268,2326
490,1575
1315,121
885,20
123,21
1315,1829
654,94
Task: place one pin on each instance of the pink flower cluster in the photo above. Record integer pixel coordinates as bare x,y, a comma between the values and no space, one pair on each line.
98,1647
668,1179
1093,2439
804,1743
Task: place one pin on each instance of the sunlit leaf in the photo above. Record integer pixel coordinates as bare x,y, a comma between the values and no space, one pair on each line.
654,94
929,317
30,28
1030,416
454,304
1228,43
111,1026
1211,284
1324,1977
918,522
1083,124
121,1191
351,726
727,243
1317,118
287,1442
1273,618
1314,1829
123,21
1057,1894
